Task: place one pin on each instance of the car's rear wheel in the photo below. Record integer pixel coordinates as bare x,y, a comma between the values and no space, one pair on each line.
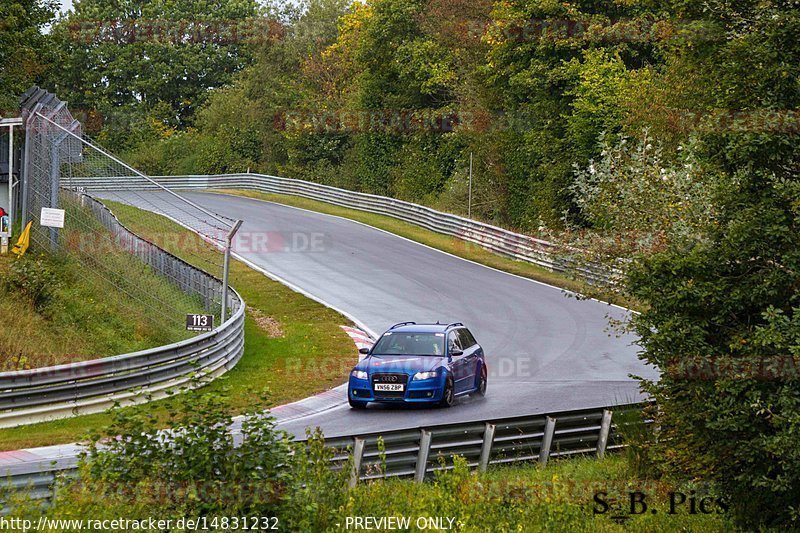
481,390
449,397
356,404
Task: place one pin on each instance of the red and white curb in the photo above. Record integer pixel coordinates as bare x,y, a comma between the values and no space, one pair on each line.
329,399
360,338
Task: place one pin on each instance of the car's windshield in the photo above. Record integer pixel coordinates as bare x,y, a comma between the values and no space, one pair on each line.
401,343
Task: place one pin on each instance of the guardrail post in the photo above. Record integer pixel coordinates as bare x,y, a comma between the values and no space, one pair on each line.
486,448
358,454
422,456
605,427
547,440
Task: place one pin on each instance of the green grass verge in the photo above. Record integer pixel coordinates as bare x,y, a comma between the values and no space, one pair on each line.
446,243
527,498
86,302
310,354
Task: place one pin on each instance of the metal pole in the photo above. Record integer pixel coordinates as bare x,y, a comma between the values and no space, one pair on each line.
10,177
605,428
23,180
547,440
422,455
225,268
55,171
358,455
25,175
486,448
469,203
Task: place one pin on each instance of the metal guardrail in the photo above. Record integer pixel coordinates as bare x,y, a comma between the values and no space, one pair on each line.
515,245
419,453
66,390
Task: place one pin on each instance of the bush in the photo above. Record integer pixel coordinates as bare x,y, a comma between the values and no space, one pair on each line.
34,279
721,324
199,469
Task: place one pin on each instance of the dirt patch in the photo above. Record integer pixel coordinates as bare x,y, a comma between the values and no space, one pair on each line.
271,326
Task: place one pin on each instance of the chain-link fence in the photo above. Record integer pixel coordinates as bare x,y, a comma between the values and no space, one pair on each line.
56,157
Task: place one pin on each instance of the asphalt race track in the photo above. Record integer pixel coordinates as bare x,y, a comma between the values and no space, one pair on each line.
547,351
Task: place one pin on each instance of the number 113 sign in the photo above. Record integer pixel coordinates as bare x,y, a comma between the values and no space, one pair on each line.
199,322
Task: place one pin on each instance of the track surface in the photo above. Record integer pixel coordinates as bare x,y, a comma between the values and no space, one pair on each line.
546,351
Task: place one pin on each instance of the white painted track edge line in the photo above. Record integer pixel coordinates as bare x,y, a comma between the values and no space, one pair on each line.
545,284
305,293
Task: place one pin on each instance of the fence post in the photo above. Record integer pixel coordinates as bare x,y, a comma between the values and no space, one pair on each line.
547,440
55,179
486,448
605,427
225,269
422,456
358,454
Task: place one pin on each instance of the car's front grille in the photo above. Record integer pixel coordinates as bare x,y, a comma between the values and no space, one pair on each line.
390,378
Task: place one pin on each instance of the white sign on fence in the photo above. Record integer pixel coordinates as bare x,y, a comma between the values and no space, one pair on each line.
52,218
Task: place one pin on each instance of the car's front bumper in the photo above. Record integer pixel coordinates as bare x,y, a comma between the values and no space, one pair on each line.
416,391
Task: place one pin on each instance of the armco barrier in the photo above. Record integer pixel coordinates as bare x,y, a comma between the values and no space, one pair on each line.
499,240
418,453
66,390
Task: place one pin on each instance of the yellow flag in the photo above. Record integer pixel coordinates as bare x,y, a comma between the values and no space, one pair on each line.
24,241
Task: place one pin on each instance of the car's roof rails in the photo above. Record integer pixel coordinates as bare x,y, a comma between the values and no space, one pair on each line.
455,324
403,324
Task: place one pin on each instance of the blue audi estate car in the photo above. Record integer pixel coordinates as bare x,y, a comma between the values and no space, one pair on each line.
419,363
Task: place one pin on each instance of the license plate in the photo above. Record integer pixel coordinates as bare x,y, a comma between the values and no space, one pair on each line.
389,387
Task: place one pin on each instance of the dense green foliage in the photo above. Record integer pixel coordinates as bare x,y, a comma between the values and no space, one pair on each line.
34,280
723,300
392,96
25,52
200,470
141,66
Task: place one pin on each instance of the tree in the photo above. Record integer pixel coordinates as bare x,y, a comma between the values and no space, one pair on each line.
124,58
721,316
551,68
25,51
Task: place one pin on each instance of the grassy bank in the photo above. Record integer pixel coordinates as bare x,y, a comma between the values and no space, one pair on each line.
56,310
293,346
449,244
560,497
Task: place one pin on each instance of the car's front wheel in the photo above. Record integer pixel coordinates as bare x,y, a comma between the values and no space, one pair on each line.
356,404
449,397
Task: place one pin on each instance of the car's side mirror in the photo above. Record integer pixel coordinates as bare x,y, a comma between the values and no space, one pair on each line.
363,350
456,352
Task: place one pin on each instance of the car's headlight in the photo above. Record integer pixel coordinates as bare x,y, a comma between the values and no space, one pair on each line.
359,374
426,375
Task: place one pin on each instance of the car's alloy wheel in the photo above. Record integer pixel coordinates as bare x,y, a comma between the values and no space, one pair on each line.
449,395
